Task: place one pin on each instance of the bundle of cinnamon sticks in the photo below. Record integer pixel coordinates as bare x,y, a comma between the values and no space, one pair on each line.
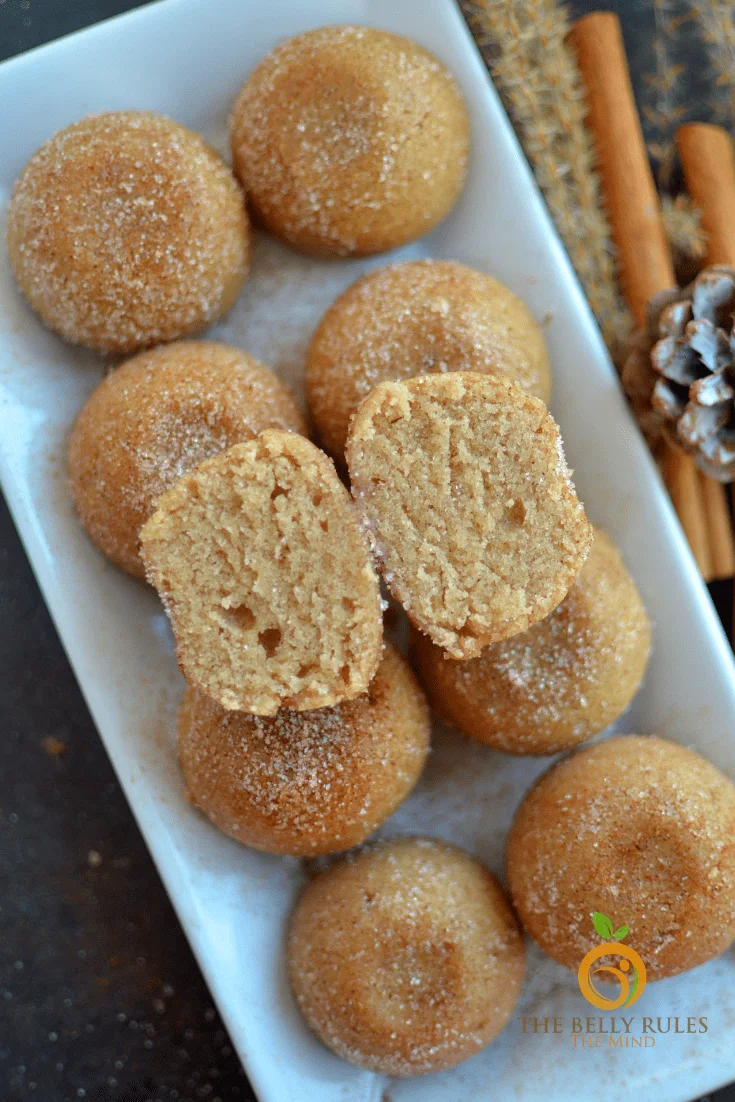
645,263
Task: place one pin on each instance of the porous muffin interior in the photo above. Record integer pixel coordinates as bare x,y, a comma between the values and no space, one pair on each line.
462,482
260,562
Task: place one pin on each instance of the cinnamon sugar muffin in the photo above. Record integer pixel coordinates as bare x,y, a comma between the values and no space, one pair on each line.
350,141
415,318
306,783
405,958
153,419
562,681
126,229
461,481
636,827
266,576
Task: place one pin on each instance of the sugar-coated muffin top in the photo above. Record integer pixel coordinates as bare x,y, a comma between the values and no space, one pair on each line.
638,828
156,417
415,318
306,783
350,141
562,681
405,958
125,230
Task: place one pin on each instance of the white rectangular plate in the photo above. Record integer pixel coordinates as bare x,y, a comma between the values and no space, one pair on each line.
187,59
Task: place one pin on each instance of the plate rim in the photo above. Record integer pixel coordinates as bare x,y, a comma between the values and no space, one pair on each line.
23,515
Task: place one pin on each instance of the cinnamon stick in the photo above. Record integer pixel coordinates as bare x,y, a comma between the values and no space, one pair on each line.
706,154
719,527
708,160
635,215
682,478
630,192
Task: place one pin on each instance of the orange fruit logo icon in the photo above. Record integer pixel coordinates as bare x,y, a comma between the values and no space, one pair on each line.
630,972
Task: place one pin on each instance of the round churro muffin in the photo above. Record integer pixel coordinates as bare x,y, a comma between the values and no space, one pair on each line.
406,957
305,783
126,229
153,419
350,141
265,574
638,828
461,481
413,319
562,681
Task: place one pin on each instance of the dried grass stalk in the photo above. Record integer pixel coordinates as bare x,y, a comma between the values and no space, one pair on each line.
717,21
665,106
687,236
535,72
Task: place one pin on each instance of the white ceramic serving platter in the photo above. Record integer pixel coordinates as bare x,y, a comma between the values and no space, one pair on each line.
187,58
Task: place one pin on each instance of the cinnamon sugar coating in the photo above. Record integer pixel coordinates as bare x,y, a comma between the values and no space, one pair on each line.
641,829
307,783
411,319
125,230
156,417
562,681
406,957
350,141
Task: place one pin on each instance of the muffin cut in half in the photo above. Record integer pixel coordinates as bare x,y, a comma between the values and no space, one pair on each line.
266,577
462,484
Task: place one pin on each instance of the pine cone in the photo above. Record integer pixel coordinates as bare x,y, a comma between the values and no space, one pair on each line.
680,371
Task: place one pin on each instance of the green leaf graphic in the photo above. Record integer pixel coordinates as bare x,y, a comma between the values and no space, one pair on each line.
622,932
633,988
602,924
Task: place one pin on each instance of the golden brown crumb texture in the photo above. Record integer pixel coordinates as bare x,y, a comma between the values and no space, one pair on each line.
260,562
462,484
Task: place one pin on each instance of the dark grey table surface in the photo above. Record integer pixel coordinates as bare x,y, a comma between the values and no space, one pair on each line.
100,997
